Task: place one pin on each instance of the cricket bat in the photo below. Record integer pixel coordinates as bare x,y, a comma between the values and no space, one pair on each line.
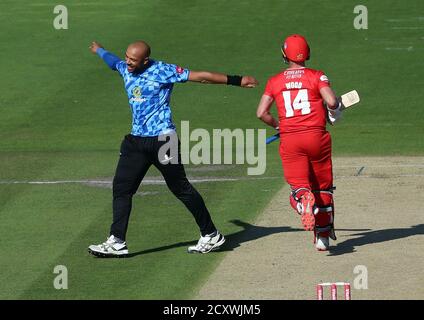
348,99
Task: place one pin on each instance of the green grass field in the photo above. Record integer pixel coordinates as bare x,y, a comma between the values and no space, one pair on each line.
64,114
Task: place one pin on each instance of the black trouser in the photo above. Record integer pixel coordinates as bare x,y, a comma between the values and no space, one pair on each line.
137,155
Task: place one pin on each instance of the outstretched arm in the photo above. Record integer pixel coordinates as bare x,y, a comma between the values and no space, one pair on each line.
220,78
263,111
110,59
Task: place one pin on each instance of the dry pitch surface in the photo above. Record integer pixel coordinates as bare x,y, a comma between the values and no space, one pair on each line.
379,223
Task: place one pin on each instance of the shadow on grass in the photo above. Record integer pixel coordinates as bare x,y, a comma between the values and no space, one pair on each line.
250,232
375,236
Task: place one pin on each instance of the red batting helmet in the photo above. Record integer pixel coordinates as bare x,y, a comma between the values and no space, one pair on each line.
295,48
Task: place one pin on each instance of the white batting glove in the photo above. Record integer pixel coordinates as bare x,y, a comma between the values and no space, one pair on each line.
334,114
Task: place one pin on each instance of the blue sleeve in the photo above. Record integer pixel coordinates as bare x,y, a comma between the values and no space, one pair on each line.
110,59
171,73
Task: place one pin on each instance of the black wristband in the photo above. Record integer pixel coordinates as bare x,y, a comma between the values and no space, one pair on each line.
234,80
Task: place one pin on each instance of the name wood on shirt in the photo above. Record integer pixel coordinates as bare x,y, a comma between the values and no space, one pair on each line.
294,85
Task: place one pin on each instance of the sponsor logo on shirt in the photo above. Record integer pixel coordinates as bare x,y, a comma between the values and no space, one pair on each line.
324,78
294,74
137,95
180,70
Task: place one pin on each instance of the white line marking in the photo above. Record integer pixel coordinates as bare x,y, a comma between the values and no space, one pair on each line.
401,49
159,181
379,125
146,181
407,28
418,165
395,20
405,19
380,176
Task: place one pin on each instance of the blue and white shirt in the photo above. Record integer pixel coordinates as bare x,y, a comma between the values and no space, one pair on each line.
149,94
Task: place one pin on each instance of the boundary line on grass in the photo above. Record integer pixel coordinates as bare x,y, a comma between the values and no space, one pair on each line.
146,181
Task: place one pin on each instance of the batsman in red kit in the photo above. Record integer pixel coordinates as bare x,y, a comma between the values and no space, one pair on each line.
304,101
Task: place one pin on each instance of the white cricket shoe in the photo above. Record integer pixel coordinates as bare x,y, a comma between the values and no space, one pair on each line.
207,243
322,243
111,248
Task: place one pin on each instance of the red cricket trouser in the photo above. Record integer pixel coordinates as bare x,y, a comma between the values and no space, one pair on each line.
306,158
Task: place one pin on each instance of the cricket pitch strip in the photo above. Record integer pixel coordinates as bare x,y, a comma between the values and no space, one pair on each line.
380,228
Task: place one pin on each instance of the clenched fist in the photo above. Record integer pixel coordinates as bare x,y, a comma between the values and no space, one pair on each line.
249,82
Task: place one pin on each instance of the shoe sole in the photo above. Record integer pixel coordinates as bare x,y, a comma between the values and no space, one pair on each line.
107,255
320,249
308,221
308,217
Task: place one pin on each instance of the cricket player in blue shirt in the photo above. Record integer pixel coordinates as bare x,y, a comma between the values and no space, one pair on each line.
149,85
